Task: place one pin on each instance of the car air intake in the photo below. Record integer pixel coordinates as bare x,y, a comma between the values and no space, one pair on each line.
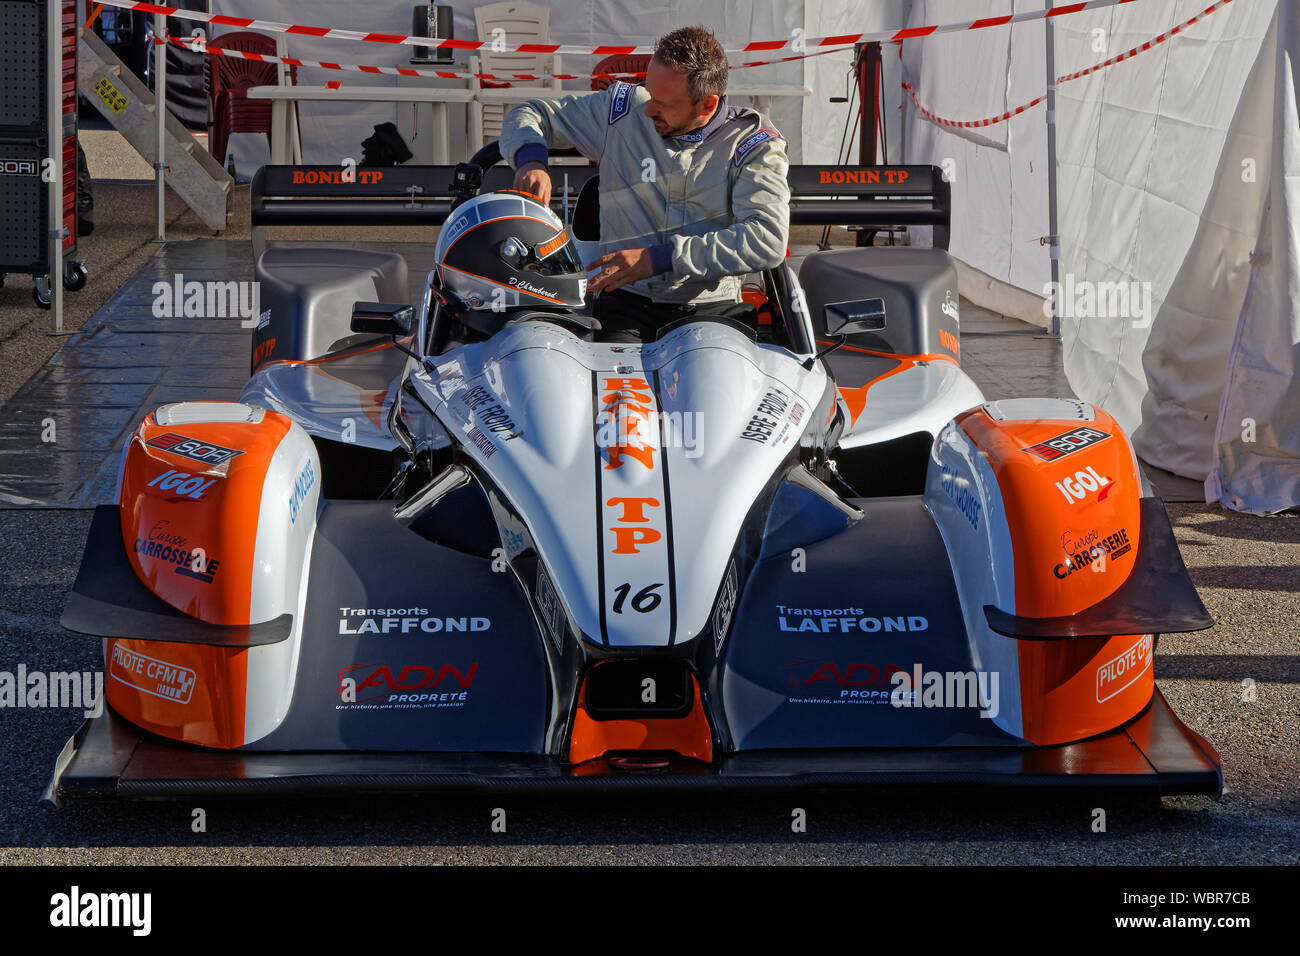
638,688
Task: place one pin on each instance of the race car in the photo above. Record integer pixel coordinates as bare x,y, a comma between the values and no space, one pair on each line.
475,544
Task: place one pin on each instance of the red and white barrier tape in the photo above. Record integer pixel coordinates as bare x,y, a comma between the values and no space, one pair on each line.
1127,54
197,45
795,43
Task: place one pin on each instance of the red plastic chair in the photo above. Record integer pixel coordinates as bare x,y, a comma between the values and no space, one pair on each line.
228,80
620,63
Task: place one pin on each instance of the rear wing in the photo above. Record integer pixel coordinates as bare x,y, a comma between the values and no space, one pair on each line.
413,195
870,197
874,197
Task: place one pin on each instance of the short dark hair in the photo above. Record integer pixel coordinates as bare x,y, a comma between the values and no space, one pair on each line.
696,52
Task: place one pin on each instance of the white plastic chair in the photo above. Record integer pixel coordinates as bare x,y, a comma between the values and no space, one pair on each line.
518,23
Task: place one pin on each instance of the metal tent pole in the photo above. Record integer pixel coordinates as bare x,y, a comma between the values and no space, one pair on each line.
1053,236
160,113
54,149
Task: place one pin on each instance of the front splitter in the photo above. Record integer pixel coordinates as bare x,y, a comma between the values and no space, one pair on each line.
1155,752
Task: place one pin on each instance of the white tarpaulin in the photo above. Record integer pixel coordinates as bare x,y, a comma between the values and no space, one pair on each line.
1164,165
998,173
1155,200
824,128
1257,443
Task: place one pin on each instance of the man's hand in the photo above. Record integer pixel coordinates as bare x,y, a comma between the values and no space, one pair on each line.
619,268
533,178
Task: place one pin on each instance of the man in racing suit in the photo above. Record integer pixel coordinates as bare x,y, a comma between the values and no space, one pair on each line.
693,191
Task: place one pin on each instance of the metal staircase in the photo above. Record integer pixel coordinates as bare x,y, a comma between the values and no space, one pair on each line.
129,106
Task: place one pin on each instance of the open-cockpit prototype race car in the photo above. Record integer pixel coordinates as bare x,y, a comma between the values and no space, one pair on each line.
476,544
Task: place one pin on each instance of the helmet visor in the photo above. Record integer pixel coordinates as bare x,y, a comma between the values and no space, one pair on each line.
550,257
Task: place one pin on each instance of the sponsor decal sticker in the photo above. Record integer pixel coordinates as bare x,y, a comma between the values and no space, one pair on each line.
481,442
489,413
726,606
620,102
1066,443
17,167
847,620
190,562
950,342
193,449
1120,673
263,351
534,289
452,232
864,177
766,417
151,676
403,687
1086,481
628,402
831,682
553,244
1083,549
183,484
630,533
958,489
111,96
336,176
748,145
301,485
949,307
548,605
355,621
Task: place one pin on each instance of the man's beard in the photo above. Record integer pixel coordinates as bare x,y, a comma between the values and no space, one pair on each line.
682,130
686,127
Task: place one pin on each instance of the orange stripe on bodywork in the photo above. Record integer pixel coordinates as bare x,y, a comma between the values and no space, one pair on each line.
689,736
334,358
370,401
855,397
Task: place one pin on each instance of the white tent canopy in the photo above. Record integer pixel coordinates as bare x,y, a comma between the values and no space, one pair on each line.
1165,165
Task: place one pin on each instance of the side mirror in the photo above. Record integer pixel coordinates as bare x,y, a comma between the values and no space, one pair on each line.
382,318
849,318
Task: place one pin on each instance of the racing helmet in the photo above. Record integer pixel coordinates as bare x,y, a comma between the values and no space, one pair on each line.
506,250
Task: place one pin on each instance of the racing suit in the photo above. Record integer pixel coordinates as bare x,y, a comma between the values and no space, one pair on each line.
710,205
